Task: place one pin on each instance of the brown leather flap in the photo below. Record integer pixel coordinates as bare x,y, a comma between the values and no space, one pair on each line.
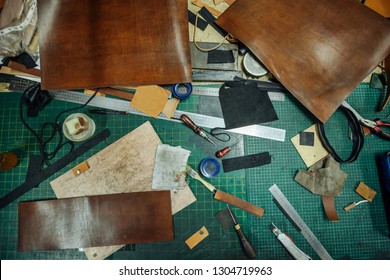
88,44
320,50
79,222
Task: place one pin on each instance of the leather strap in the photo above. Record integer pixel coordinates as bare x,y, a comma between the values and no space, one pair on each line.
329,208
35,180
242,204
357,133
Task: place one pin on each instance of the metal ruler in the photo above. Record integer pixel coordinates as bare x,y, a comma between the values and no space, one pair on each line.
214,91
201,120
289,210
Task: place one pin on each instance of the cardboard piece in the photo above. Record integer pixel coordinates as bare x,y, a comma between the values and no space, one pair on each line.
310,154
124,166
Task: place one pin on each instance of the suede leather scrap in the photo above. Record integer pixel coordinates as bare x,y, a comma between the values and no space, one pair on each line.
323,178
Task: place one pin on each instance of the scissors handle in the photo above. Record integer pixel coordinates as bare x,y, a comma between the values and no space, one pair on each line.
378,130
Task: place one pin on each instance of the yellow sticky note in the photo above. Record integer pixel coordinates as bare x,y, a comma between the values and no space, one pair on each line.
150,100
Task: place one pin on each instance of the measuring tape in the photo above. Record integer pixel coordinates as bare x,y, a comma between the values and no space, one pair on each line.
201,120
24,23
294,216
214,91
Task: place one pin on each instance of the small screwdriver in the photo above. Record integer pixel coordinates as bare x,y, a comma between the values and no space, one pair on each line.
245,244
224,151
188,122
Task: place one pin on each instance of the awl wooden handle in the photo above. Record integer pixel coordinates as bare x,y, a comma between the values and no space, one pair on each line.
242,204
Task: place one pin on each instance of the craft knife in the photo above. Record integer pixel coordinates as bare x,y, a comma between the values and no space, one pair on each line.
292,214
289,244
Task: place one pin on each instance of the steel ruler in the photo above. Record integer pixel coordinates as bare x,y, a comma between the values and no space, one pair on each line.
289,210
214,91
201,120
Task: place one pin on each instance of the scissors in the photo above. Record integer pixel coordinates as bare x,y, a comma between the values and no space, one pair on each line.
375,126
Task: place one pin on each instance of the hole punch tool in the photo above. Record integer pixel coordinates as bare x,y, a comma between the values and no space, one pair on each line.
375,126
289,244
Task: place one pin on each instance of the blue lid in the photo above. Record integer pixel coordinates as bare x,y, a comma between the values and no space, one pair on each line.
209,167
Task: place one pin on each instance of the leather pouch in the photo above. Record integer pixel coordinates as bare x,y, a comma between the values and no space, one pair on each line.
319,50
88,44
79,222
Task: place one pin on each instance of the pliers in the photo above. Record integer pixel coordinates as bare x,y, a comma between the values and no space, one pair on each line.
373,125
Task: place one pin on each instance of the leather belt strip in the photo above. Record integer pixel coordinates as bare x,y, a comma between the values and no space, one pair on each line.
357,133
35,180
329,208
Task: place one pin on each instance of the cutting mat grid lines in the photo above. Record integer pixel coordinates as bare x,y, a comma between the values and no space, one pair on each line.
361,234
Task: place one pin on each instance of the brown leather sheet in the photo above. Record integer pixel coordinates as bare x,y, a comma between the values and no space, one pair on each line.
88,44
79,222
320,50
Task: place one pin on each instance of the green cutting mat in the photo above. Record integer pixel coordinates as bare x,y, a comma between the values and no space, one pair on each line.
361,234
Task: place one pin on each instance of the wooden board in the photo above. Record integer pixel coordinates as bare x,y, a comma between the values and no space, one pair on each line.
124,166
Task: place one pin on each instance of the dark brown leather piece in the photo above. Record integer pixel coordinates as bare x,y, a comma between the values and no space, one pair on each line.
101,220
89,44
319,50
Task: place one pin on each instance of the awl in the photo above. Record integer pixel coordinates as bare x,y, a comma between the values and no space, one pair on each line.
225,197
188,122
289,244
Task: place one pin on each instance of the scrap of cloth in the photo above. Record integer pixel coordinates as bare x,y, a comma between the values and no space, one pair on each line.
319,50
323,178
88,44
98,220
245,104
170,167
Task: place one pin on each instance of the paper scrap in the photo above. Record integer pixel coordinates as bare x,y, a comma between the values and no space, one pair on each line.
170,167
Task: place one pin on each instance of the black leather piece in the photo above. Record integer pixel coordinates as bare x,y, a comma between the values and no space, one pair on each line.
245,104
248,161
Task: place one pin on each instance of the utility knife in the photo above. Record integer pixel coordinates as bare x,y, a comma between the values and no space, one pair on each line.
289,244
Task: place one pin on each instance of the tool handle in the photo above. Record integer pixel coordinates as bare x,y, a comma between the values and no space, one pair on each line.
222,152
242,204
247,247
188,122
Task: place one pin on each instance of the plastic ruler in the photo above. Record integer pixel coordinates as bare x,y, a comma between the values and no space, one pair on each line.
201,120
214,91
289,210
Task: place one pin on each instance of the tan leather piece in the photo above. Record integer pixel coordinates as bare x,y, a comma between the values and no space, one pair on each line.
20,67
329,208
242,204
79,222
319,50
89,44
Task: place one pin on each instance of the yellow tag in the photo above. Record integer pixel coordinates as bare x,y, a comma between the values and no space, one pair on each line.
197,237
